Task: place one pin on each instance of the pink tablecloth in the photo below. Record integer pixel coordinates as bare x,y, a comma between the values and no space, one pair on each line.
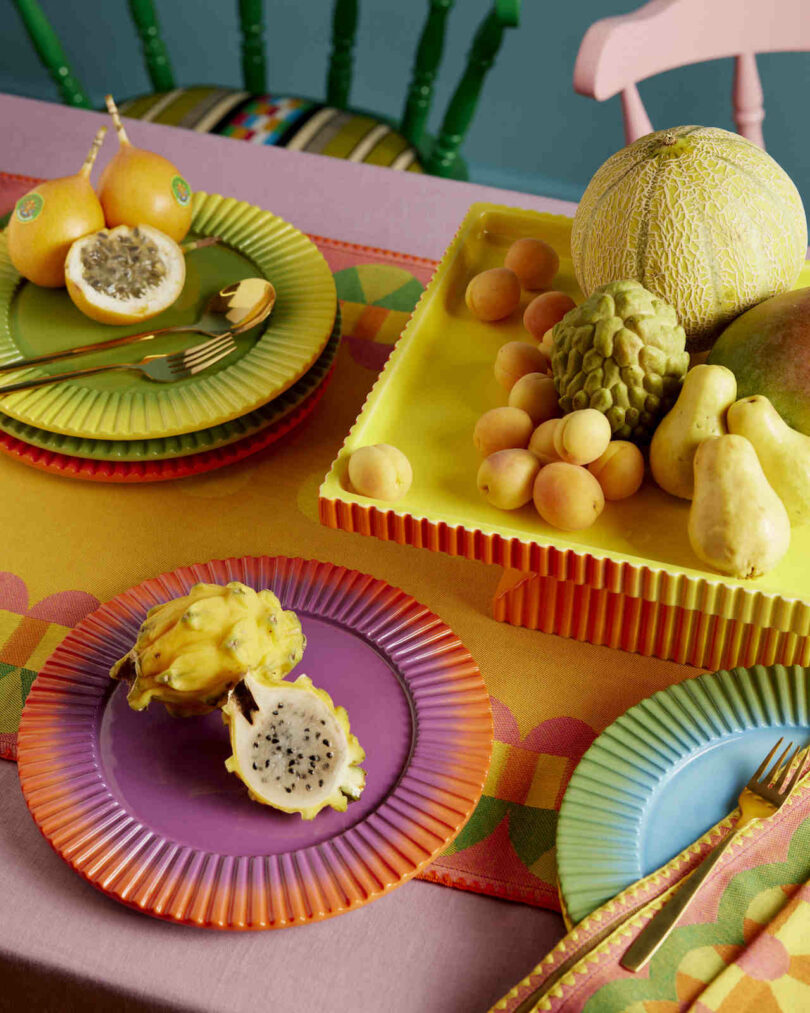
404,211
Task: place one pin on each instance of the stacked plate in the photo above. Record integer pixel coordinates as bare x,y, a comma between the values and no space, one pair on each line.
118,426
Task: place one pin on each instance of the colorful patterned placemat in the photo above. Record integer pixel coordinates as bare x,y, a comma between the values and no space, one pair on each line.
743,945
69,545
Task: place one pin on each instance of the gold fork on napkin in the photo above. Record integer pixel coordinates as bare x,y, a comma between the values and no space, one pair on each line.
759,799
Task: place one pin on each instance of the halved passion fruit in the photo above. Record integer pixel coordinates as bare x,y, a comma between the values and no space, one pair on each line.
125,274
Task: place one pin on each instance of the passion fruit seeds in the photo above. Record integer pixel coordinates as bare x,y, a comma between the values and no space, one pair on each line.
126,265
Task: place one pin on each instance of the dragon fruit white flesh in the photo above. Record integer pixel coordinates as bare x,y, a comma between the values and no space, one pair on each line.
292,747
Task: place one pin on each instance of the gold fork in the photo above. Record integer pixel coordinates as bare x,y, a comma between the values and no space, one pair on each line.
759,799
161,368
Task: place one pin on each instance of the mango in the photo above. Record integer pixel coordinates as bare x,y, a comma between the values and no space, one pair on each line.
768,350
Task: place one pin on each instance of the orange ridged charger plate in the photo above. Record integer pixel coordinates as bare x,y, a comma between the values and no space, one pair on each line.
134,471
141,805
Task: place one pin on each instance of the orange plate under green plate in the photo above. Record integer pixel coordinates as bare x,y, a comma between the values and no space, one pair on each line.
127,406
437,383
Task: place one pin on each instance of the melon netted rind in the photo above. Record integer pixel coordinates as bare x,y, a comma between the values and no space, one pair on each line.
191,651
700,216
292,748
622,352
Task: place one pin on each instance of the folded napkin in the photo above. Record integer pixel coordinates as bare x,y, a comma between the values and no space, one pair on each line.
742,947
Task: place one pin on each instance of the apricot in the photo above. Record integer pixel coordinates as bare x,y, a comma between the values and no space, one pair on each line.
544,311
502,429
567,496
506,478
547,342
517,358
494,294
582,436
619,470
380,471
541,443
534,262
536,394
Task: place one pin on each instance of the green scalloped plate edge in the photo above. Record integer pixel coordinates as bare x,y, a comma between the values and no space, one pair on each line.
597,828
165,448
282,355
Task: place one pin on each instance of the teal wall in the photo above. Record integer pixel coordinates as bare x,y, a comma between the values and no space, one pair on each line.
532,132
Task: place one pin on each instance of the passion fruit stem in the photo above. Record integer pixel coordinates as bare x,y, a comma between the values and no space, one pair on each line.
112,109
199,244
87,165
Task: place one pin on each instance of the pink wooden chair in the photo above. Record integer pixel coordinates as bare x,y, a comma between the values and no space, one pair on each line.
663,34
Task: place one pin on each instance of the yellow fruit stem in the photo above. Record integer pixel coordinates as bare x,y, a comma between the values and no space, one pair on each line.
199,244
87,165
112,109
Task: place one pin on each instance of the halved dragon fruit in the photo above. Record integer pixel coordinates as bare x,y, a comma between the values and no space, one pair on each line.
192,651
292,747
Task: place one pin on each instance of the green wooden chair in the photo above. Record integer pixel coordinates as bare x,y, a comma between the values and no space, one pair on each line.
330,127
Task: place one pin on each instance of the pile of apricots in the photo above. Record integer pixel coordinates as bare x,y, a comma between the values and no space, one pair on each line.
567,466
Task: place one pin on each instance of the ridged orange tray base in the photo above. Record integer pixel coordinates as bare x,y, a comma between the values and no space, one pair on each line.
612,619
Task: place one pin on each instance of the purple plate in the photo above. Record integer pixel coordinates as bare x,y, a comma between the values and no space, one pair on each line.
141,804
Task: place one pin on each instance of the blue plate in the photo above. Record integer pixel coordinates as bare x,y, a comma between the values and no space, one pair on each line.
666,771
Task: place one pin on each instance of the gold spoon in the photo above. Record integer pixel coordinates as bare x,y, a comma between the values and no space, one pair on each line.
241,305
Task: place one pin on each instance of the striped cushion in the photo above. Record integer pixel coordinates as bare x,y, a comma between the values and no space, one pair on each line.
296,123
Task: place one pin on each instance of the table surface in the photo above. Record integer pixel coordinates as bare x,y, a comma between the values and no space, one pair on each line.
63,945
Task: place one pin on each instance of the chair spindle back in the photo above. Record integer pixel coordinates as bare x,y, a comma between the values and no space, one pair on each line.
426,65
617,52
155,54
344,33
460,111
445,153
254,63
49,50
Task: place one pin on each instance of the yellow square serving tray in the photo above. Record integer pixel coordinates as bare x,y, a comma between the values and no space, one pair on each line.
630,580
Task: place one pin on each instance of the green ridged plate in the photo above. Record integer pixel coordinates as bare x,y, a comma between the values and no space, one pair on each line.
164,448
666,771
125,406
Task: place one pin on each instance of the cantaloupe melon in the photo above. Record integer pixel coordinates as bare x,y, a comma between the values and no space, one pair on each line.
700,216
